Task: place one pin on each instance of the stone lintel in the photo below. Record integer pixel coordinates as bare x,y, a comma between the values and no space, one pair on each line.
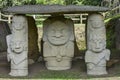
53,9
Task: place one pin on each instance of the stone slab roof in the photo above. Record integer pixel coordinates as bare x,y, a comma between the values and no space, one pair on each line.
53,9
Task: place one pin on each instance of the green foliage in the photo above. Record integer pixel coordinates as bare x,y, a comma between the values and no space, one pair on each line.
110,32
39,23
91,2
112,17
110,38
50,1
40,1
110,26
75,2
83,2
4,3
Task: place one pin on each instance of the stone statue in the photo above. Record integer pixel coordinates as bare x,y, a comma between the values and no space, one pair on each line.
97,55
58,46
18,46
95,27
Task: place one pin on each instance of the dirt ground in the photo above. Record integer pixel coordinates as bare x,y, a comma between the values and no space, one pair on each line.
78,70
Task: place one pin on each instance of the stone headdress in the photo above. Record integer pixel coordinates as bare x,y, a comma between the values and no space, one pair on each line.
95,32
47,23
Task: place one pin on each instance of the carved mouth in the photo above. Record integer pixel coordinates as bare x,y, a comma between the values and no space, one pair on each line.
18,50
58,39
18,28
98,50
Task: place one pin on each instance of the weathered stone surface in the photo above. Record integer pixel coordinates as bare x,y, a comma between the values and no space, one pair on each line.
33,50
58,46
53,9
4,31
97,55
17,43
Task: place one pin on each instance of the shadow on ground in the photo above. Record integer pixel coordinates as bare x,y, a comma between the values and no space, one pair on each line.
78,71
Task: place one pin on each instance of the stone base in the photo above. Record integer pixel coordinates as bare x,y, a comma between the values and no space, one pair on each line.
57,68
97,71
18,72
53,64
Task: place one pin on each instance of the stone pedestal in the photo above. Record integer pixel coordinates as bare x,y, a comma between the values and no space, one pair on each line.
58,46
17,44
96,55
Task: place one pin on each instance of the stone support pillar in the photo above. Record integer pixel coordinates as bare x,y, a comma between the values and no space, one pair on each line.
58,46
96,55
18,46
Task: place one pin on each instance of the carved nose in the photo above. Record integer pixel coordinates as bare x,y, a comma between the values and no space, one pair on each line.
58,35
17,46
97,45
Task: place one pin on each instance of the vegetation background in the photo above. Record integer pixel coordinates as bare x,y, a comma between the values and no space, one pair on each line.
4,3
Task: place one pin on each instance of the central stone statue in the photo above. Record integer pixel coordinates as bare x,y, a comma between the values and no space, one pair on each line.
58,46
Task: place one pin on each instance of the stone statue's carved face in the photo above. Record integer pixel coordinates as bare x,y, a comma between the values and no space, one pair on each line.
96,21
58,33
18,23
17,47
97,45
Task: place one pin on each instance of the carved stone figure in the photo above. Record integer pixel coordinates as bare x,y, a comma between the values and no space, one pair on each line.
97,55
58,46
95,27
18,46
